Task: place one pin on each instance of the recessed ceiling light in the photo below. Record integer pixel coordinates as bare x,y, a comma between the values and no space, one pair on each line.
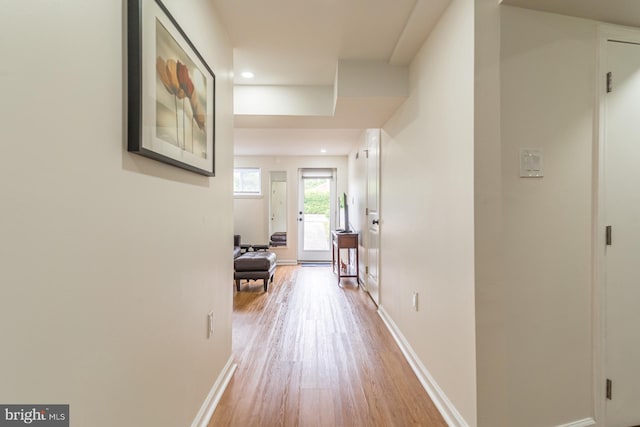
247,74
323,150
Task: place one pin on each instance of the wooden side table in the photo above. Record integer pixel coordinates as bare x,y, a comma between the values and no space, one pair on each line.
344,241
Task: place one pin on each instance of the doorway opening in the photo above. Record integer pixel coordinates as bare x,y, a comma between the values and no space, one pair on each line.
316,214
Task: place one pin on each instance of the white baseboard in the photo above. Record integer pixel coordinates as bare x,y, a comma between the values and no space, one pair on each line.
442,402
287,262
580,423
213,398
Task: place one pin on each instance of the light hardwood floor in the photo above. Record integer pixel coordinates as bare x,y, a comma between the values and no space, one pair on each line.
310,353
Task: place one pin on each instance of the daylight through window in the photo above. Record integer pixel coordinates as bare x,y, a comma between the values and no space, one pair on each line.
246,181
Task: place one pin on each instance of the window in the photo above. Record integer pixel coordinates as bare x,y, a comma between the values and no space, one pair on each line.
247,182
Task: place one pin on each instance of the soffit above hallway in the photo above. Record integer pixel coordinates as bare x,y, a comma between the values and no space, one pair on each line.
299,42
322,64
621,12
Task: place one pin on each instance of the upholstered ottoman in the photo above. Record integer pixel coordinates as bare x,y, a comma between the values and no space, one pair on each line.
254,266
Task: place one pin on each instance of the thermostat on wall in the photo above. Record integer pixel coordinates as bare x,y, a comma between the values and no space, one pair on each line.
531,163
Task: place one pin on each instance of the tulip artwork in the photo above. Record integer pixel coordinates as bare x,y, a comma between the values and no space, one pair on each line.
171,91
180,97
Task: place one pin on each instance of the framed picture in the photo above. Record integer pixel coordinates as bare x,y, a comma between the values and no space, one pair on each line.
171,91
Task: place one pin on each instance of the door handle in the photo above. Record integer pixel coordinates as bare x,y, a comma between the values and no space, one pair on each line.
375,222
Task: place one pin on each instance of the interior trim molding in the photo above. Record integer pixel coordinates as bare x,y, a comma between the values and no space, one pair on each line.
213,398
580,423
287,262
439,398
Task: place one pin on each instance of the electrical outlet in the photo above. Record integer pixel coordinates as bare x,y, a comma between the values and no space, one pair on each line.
210,321
414,301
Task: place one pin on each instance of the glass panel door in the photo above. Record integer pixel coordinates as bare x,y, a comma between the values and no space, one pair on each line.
315,215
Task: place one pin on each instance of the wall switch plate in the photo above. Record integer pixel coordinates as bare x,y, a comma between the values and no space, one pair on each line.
531,163
210,321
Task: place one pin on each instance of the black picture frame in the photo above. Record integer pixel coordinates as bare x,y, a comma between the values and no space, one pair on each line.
170,91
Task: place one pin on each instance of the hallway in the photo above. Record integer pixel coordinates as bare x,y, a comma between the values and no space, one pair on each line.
310,353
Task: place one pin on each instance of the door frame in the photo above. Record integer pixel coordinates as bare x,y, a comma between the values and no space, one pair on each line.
369,217
332,213
605,33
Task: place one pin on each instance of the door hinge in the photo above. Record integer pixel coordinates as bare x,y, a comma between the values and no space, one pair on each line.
609,82
609,387
366,153
608,234
366,269
366,211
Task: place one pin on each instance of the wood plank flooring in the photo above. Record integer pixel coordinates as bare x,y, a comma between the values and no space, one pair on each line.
311,353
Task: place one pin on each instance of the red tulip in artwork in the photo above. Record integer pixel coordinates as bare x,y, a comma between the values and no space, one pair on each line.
176,79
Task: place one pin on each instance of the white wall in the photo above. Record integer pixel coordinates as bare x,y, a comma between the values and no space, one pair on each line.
547,87
252,213
109,261
535,89
491,319
284,100
427,230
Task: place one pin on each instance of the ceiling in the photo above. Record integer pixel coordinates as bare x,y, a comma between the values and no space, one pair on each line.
622,12
283,141
299,43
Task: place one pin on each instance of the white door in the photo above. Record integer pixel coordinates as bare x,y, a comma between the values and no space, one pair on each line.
373,218
316,213
278,207
622,213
